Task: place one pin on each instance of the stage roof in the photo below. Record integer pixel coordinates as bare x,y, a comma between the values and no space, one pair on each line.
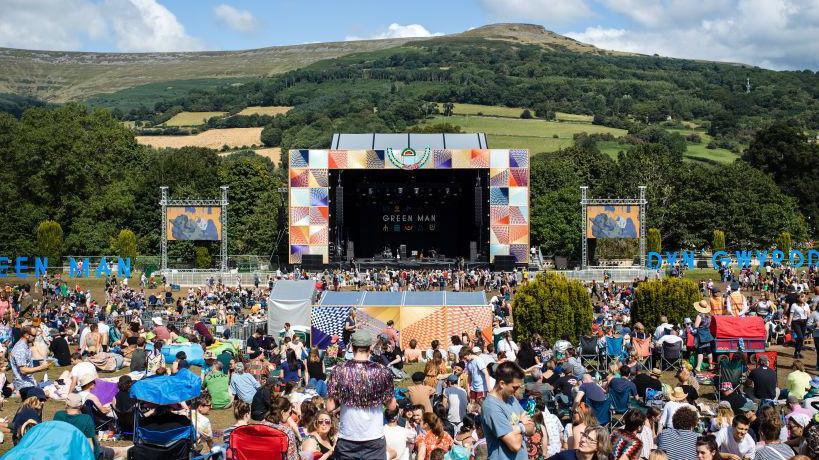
379,141
415,298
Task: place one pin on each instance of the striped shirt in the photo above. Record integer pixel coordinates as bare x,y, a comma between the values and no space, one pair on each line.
774,452
678,444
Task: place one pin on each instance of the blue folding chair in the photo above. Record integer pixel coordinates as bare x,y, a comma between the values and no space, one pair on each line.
614,349
600,409
620,404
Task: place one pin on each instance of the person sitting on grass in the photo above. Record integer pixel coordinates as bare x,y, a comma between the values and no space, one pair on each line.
73,415
218,384
204,430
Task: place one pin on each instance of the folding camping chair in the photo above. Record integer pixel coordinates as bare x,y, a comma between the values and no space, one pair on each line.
620,401
588,352
643,349
614,349
102,422
671,356
251,442
601,410
125,423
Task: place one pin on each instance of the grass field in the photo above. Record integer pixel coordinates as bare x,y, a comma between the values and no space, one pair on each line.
271,110
536,135
212,138
508,112
191,118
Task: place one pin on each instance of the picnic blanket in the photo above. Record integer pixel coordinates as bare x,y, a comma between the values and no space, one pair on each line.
104,391
103,361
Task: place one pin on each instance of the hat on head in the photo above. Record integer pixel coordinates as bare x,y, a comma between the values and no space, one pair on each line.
702,306
209,355
725,404
678,394
157,321
36,392
656,372
85,379
801,419
452,378
361,339
749,406
73,401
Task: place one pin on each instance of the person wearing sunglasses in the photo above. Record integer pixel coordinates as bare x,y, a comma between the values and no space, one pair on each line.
594,444
320,442
22,363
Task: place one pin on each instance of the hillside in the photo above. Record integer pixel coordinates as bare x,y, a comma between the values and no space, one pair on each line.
58,76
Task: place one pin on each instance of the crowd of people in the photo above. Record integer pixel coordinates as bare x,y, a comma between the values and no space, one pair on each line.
623,391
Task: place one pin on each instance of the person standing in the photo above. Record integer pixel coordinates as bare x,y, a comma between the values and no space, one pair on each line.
504,421
362,388
797,321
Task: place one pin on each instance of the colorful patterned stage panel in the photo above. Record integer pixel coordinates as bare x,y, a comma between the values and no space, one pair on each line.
508,191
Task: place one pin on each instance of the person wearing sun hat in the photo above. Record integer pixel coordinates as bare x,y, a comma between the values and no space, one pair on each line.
677,400
702,333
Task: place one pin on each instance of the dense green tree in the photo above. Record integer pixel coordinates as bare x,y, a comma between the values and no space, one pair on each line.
670,297
125,244
50,241
271,136
552,306
653,240
783,242
718,241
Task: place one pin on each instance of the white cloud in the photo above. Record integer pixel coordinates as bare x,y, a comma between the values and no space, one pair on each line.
239,20
778,34
396,30
547,12
133,25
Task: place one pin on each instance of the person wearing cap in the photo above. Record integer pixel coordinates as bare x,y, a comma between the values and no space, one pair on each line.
795,408
30,413
796,431
362,389
242,384
160,331
477,373
455,400
85,423
702,333
730,393
764,380
22,364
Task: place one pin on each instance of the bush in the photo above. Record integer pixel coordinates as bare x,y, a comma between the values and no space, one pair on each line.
670,297
693,138
718,241
555,136
526,114
653,240
50,241
783,243
552,306
203,258
125,244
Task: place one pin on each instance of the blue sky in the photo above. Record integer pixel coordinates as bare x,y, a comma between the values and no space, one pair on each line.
779,34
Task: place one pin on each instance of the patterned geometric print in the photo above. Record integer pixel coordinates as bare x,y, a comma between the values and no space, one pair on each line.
498,196
461,319
298,158
498,177
299,215
326,322
429,328
519,158
508,193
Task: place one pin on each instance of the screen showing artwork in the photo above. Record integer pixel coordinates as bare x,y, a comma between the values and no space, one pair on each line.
194,223
621,221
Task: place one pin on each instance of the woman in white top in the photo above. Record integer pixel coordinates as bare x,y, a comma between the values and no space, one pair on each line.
508,346
797,320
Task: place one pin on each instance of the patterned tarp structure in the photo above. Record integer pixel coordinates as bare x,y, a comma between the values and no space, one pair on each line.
424,316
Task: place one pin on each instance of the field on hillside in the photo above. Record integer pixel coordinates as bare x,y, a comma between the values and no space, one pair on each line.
508,112
191,118
535,135
212,138
271,110
273,153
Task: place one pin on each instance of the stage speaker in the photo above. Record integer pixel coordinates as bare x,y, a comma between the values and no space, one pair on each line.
350,251
479,207
473,251
402,249
312,262
504,263
561,263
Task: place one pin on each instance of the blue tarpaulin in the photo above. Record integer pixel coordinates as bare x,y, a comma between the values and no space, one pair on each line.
168,389
193,352
52,441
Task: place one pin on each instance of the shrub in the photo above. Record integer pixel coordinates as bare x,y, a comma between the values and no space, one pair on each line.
125,244
653,240
555,136
526,114
552,305
783,243
203,258
50,241
718,241
670,297
271,136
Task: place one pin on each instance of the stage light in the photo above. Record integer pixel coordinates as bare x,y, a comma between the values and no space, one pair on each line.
400,189
416,190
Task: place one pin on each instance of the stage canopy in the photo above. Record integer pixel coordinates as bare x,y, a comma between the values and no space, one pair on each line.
289,303
424,316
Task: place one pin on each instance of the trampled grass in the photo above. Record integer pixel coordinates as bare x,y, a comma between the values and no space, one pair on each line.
192,118
258,110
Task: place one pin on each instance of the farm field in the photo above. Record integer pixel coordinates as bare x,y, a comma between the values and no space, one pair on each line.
271,110
212,138
508,112
191,118
273,153
536,135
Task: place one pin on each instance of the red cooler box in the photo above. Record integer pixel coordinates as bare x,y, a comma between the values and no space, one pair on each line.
728,331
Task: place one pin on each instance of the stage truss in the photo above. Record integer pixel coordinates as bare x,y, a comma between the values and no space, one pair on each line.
222,202
585,202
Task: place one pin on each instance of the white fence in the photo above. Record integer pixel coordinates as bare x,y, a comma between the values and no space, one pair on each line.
618,275
202,277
